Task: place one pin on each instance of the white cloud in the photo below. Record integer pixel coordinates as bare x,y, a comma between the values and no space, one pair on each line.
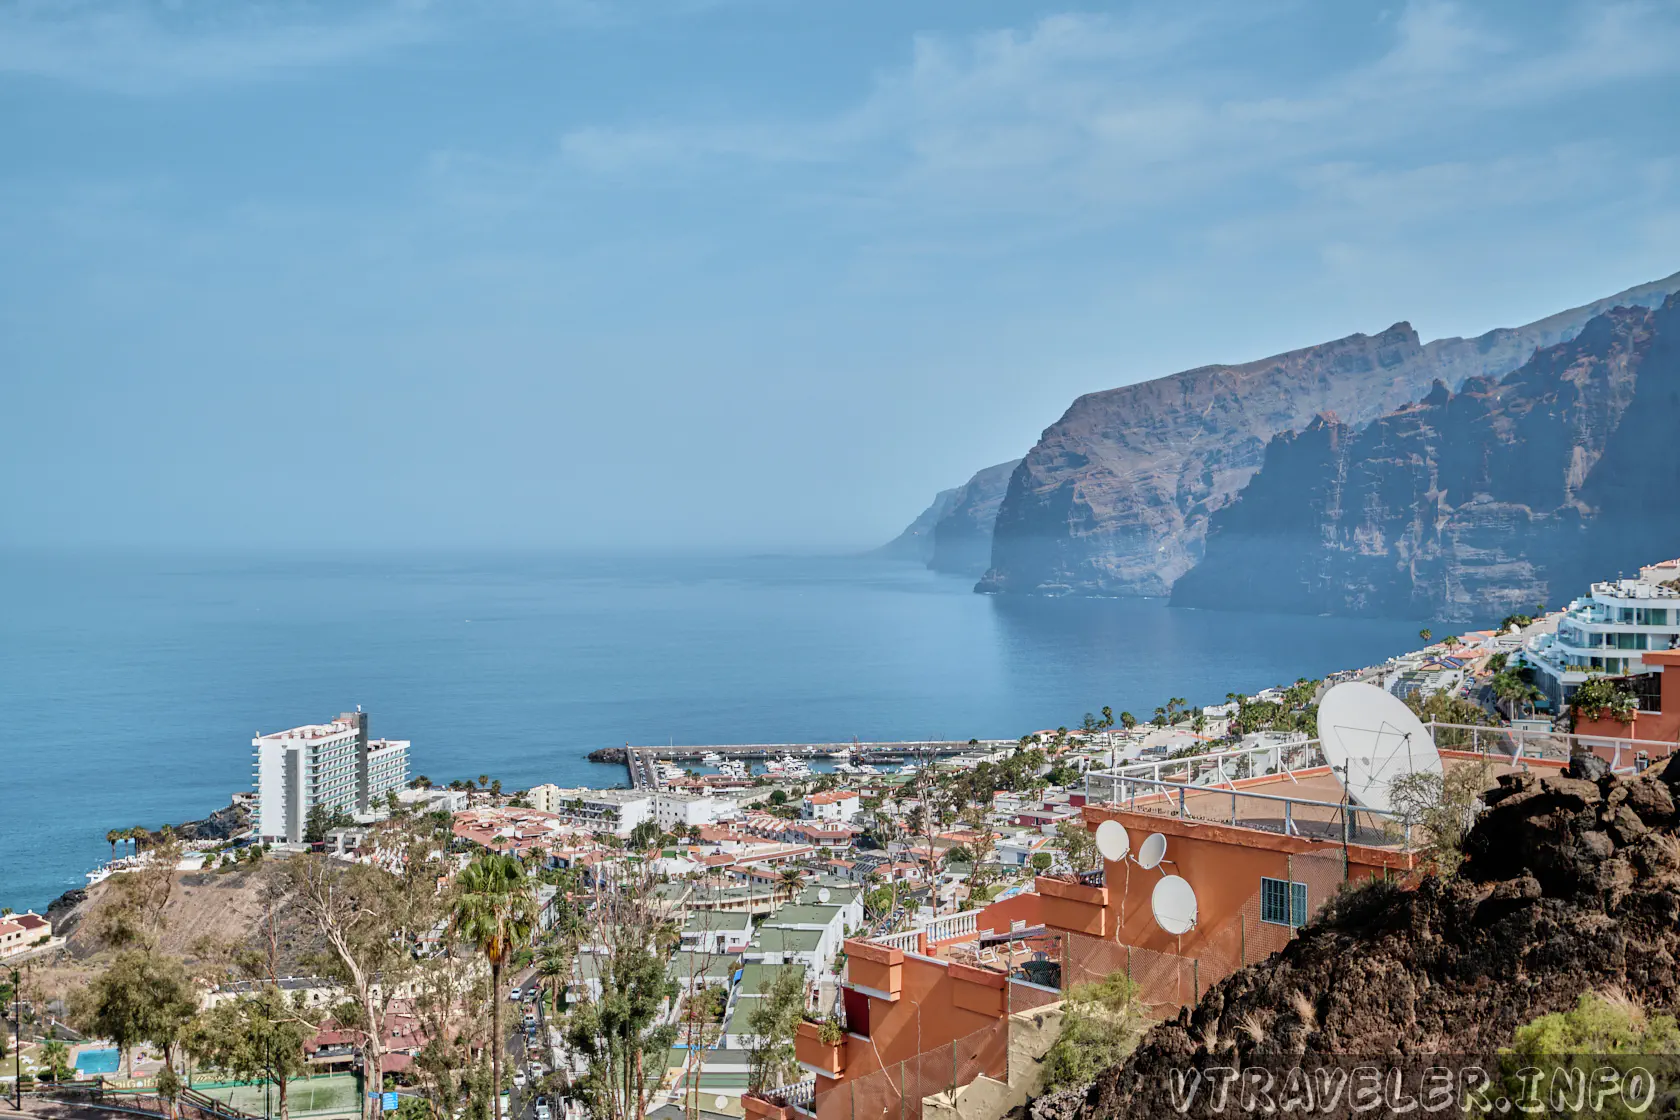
159,47
1100,116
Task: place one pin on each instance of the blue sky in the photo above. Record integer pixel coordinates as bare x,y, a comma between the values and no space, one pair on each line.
743,273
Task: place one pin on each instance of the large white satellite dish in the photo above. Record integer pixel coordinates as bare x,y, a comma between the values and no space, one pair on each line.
722,1102
1152,851
1371,739
1174,904
1113,841
823,895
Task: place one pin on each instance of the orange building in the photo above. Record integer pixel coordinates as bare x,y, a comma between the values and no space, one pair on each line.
1658,731
931,1009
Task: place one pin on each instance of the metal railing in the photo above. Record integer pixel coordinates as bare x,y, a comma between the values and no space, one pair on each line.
1213,768
1268,812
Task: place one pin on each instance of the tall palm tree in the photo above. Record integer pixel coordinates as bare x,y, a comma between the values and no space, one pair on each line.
494,913
554,964
111,837
792,877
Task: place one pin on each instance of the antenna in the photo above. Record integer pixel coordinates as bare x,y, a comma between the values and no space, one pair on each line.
1152,851
1113,841
1371,739
1174,904
823,894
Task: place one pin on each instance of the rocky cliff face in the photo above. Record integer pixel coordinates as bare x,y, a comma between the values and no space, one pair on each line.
954,533
962,537
1115,497
1467,506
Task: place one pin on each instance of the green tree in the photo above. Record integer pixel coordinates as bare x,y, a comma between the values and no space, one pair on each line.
259,1036
322,819
771,1025
1444,807
617,1033
494,913
1425,634
1078,846
367,920
1513,687
1041,861
55,1060
1445,708
141,996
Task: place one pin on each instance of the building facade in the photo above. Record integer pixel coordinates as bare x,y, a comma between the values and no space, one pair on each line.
333,764
618,811
1607,633
832,805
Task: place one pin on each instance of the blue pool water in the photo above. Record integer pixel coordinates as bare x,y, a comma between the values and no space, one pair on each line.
98,1061
130,686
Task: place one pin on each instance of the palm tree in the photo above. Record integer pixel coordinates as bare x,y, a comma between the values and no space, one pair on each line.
792,877
494,914
1426,633
111,837
483,780
554,964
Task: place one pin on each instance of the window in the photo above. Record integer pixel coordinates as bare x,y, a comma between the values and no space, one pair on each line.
1282,902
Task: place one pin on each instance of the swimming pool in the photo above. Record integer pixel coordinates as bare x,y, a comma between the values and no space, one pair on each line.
98,1061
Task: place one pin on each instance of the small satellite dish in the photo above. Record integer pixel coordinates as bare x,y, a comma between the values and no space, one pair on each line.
721,1102
1152,851
1174,904
1113,841
1372,739
823,895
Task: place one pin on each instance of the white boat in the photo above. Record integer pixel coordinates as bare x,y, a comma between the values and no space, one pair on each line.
711,758
865,768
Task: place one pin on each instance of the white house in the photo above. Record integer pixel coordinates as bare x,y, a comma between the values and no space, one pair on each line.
832,805
691,809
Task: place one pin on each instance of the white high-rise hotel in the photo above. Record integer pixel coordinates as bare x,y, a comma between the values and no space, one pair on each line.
332,764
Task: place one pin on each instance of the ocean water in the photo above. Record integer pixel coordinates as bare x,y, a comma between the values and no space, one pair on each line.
130,686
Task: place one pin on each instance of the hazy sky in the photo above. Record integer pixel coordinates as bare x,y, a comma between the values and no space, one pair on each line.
530,272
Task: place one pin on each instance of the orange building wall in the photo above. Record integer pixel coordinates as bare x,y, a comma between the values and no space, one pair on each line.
1224,865
1662,727
939,1003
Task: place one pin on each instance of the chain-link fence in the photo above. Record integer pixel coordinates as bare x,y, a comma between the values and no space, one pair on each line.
1167,981
895,1092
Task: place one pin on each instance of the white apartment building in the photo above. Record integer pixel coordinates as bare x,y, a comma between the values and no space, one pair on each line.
544,798
332,764
1604,633
618,811
693,809
833,805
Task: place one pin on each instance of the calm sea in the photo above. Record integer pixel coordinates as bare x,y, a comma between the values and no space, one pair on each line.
130,686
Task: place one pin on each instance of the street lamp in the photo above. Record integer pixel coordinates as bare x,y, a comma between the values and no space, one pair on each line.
17,1037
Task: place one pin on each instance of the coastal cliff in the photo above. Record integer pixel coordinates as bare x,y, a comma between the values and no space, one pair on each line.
1467,505
962,537
954,533
1116,496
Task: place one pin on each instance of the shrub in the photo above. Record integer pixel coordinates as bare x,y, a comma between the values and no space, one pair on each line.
1557,1060
1101,1024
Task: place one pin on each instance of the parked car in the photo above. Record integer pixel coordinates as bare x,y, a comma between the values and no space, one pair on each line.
542,1108
513,996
